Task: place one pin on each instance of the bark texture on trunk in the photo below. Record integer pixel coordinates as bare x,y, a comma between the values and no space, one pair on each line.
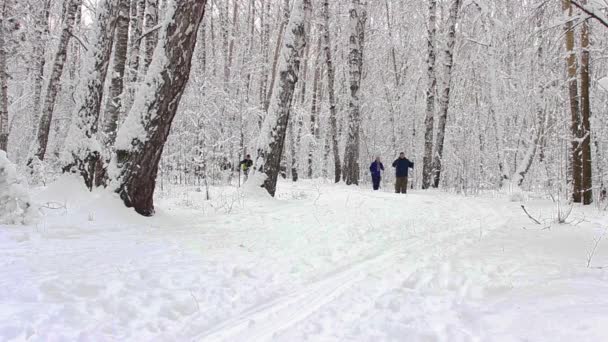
576,165
3,82
314,112
136,23
39,50
331,76
83,149
272,137
587,181
429,121
71,10
277,51
140,140
444,103
358,17
151,33
114,104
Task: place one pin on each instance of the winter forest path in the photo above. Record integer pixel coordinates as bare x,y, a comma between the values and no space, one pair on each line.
388,232
322,262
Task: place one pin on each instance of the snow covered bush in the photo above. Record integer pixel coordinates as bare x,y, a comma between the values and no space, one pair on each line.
15,204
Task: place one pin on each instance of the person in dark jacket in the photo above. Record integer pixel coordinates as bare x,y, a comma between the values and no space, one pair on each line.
402,166
246,165
376,170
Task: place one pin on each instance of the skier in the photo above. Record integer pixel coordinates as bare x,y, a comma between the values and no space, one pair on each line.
376,169
402,166
246,165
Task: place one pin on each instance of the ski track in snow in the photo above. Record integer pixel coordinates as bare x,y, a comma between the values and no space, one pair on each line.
324,263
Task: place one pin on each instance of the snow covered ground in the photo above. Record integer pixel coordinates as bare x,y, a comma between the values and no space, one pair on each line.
322,262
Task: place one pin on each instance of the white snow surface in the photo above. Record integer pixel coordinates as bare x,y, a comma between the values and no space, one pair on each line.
321,262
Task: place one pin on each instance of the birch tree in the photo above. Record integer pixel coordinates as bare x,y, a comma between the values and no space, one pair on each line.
141,139
272,136
114,103
151,34
136,23
444,103
83,148
429,121
54,85
39,51
331,75
358,17
3,80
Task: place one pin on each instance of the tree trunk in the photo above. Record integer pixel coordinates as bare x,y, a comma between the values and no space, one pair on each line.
576,162
331,76
358,17
82,145
445,97
3,82
72,8
141,138
138,10
235,13
41,38
114,104
427,167
314,112
272,136
587,183
151,34
277,51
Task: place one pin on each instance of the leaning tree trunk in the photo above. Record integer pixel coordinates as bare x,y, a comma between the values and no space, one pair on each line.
72,8
331,76
83,150
585,115
140,140
576,165
427,167
272,136
358,17
444,103
3,83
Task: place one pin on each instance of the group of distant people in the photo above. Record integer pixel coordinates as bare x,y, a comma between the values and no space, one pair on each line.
402,166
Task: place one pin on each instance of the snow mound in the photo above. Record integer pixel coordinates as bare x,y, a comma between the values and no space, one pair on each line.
15,204
100,206
253,189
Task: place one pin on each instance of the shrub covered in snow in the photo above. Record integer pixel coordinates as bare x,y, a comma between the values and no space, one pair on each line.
15,204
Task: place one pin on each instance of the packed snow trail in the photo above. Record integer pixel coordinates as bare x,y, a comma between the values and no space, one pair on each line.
322,262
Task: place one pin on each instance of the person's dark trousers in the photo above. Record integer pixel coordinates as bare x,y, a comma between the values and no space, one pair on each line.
401,185
376,182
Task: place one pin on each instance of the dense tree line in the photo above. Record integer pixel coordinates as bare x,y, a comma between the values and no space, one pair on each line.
483,94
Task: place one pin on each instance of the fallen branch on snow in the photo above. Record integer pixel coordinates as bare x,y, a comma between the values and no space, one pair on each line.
530,216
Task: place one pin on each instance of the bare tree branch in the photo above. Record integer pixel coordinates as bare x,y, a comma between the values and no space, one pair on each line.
530,216
590,13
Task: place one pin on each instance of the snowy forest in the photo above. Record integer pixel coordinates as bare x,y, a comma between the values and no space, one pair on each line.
159,101
482,94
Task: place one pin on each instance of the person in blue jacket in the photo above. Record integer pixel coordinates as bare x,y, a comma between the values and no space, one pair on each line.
402,166
376,170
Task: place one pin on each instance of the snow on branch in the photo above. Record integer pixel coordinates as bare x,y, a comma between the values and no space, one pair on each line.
591,13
